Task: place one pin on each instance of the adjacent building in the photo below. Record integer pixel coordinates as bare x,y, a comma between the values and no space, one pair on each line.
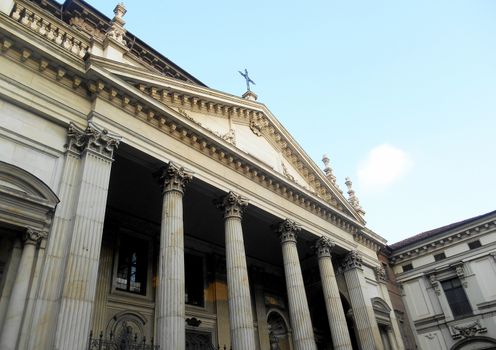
448,282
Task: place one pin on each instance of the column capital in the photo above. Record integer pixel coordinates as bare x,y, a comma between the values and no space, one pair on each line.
174,178
323,247
380,274
34,237
233,205
288,231
93,138
352,260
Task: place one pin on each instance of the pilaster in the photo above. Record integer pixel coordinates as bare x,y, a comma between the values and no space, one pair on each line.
47,303
299,313
170,303
335,313
367,329
239,299
95,146
18,298
394,334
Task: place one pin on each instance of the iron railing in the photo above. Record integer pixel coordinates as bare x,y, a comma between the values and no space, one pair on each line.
127,342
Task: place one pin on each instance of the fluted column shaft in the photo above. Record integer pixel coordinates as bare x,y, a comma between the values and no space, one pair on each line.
366,325
239,299
18,297
81,271
303,337
335,313
47,303
170,301
394,330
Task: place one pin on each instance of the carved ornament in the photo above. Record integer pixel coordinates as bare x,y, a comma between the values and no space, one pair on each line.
288,231
435,284
81,24
323,247
174,178
380,274
352,260
33,236
193,322
117,31
256,125
467,330
93,138
460,272
233,205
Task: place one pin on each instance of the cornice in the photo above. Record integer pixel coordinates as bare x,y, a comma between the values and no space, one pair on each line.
446,240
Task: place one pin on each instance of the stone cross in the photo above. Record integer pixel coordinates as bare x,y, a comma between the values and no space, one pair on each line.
247,78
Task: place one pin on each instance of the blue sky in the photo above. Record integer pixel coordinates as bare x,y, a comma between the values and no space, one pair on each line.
400,94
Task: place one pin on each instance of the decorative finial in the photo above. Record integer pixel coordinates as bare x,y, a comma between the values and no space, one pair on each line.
355,203
117,30
328,169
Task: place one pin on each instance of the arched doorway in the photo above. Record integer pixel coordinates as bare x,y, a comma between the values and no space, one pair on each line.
475,343
280,337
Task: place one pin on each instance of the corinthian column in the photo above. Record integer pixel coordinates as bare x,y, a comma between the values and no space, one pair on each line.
170,290
335,313
368,331
96,147
238,288
299,313
17,301
47,302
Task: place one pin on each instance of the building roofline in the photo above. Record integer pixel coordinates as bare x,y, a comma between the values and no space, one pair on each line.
437,231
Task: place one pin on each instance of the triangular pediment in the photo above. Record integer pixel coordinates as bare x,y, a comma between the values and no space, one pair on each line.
246,126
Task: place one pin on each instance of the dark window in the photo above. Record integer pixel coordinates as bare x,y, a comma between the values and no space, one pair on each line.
407,267
457,299
439,256
194,279
132,268
474,244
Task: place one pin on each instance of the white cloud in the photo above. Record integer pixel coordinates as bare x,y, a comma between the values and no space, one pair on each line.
383,166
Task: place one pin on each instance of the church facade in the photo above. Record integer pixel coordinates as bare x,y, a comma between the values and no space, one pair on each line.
141,209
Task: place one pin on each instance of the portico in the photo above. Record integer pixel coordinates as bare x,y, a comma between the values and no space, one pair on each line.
188,217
